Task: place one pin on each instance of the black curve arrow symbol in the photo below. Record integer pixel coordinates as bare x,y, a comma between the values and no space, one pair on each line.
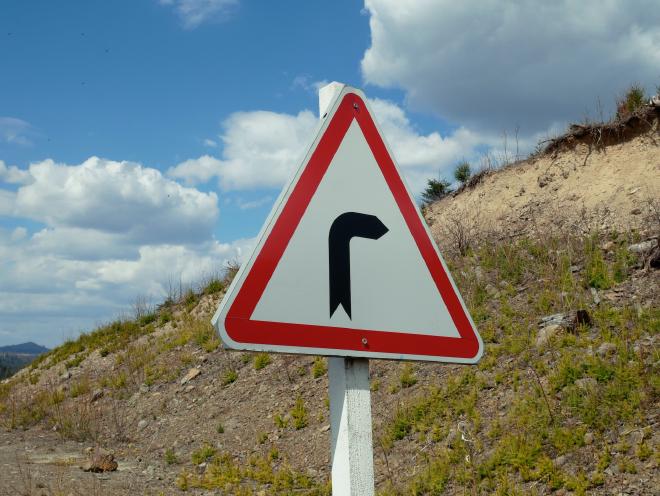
342,230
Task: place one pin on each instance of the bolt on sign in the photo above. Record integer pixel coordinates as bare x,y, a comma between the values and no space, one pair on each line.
345,264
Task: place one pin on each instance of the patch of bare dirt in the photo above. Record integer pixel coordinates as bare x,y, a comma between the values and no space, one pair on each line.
581,190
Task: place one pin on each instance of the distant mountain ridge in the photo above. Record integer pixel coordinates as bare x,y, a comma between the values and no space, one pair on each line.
28,348
16,356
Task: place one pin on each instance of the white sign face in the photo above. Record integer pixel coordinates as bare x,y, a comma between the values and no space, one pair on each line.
382,271
345,264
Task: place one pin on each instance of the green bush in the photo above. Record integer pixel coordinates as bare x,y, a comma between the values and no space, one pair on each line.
214,286
462,172
299,414
261,360
596,271
280,421
633,100
170,456
229,376
435,189
319,368
203,454
408,378
147,319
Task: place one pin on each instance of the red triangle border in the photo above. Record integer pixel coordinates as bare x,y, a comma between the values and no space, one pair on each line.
241,329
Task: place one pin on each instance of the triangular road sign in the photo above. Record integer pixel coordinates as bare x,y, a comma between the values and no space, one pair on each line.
345,264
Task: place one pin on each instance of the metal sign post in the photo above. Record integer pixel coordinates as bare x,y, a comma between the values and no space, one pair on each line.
350,424
350,402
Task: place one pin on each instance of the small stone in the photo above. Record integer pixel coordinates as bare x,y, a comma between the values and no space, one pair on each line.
544,180
492,291
636,437
97,394
101,461
546,333
643,247
606,349
66,376
142,424
613,469
192,373
188,388
588,438
607,246
636,211
144,388
594,296
325,428
555,318
559,461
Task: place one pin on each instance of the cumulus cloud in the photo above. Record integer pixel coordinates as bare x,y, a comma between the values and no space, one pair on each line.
64,294
13,175
261,149
120,198
492,65
195,12
111,231
7,200
421,156
15,131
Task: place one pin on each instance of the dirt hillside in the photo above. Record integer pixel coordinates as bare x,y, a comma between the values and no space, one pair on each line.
557,259
579,190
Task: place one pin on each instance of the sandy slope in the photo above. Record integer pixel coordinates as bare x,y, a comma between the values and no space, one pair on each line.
617,188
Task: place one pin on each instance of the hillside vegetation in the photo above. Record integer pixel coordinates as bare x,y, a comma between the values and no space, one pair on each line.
564,401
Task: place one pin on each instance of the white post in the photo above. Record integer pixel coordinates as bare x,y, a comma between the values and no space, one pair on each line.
350,402
350,422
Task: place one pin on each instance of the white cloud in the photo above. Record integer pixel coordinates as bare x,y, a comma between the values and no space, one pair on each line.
491,65
121,198
307,83
7,200
13,175
65,291
261,149
421,156
18,233
210,143
63,297
15,131
197,170
251,204
113,231
195,12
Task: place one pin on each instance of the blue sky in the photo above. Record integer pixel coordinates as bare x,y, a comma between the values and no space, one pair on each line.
144,141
